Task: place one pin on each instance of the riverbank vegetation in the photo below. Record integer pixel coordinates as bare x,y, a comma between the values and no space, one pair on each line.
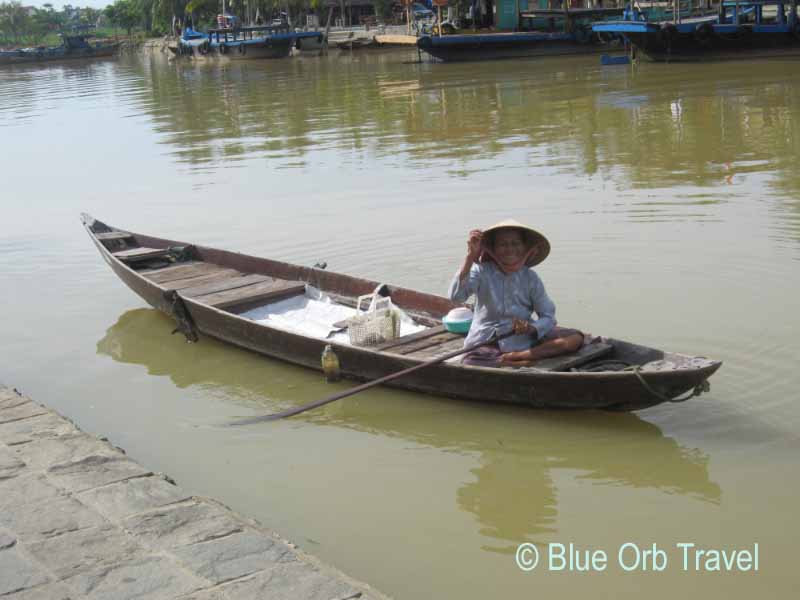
31,25
163,16
21,24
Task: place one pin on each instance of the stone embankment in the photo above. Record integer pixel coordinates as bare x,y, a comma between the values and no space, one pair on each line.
79,519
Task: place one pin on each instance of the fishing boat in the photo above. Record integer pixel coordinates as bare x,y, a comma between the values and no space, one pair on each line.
72,47
258,41
753,29
226,295
551,33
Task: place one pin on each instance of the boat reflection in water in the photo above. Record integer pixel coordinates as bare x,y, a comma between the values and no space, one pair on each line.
521,454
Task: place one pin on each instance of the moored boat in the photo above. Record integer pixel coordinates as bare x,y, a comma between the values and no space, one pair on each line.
536,33
226,295
754,29
72,47
260,41
492,46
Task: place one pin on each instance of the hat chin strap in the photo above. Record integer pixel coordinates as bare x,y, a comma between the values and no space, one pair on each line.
508,269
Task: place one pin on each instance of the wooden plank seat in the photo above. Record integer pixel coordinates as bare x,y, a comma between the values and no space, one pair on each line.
442,345
140,253
565,362
440,348
114,235
217,282
425,343
184,270
407,339
263,291
116,241
201,280
432,341
221,287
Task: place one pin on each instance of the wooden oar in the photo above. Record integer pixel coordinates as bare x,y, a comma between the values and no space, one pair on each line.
365,386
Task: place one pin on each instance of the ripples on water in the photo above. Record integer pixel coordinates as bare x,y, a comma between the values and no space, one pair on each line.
670,194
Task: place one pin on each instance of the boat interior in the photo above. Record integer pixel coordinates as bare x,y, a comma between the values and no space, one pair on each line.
250,287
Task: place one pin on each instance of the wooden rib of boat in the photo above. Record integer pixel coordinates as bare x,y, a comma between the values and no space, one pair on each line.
217,286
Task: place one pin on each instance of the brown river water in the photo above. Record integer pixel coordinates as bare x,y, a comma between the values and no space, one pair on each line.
671,197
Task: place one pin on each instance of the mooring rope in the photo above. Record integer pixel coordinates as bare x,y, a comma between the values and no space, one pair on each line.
703,386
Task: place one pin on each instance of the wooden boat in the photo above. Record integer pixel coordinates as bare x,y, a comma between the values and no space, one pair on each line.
208,290
73,46
741,30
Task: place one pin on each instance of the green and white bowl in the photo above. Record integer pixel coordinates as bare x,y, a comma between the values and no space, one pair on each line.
458,320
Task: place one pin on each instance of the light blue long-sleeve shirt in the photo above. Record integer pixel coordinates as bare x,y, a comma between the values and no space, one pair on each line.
499,298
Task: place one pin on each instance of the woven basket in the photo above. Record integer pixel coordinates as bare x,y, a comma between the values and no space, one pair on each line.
379,324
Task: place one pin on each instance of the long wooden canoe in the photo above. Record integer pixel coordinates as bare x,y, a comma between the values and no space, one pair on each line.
215,287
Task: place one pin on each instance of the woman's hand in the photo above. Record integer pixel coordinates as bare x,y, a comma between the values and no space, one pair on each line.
521,327
474,246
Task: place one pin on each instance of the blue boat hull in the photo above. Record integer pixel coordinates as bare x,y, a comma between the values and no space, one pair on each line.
273,46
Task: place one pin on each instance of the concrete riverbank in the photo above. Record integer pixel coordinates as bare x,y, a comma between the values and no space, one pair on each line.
79,519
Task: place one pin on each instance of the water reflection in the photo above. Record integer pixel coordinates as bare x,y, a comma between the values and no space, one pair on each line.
28,91
693,136
621,450
692,140
704,125
520,455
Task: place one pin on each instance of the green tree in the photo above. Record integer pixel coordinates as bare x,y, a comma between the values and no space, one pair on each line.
202,11
14,21
383,9
165,11
124,14
47,20
89,16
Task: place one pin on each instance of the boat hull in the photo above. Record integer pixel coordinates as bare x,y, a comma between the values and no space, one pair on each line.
309,43
245,51
584,390
54,55
707,42
459,48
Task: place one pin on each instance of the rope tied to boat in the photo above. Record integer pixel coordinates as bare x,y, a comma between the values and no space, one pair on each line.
183,319
703,386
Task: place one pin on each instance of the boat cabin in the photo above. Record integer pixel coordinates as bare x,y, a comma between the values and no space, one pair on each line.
777,13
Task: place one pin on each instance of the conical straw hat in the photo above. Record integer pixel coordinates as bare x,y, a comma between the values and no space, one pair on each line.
532,238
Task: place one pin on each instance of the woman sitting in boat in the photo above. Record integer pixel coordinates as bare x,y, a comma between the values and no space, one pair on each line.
498,271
